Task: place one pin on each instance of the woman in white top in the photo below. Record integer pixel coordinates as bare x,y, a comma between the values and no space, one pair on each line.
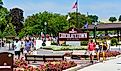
22,45
17,45
97,51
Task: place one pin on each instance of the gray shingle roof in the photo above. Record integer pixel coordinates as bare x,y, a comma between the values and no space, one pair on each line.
104,26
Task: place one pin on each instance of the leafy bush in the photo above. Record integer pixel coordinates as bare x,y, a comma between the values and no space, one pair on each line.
114,41
64,44
53,43
84,43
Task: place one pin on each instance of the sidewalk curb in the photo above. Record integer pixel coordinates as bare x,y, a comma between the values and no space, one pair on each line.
74,68
79,67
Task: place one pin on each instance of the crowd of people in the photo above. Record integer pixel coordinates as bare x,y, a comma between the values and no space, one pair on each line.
23,46
96,49
26,46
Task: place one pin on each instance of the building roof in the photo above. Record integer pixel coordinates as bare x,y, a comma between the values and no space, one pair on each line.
105,26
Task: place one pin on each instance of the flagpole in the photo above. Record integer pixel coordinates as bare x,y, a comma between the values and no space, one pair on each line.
87,20
78,26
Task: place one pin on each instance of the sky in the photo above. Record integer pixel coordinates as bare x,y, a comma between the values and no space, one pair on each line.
102,8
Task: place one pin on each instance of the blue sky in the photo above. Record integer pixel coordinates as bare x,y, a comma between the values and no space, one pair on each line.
102,8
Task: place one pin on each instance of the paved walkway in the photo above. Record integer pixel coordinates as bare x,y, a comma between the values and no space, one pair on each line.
111,65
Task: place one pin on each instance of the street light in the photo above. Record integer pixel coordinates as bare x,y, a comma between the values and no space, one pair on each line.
45,28
95,27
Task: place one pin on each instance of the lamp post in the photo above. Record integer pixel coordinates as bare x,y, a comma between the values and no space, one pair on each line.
95,27
9,41
45,28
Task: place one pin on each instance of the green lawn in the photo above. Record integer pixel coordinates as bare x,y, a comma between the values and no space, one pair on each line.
59,48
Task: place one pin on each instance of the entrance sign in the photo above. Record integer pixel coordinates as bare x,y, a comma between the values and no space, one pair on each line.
73,34
6,61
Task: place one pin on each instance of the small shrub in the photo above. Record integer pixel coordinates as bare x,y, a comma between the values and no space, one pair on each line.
53,43
84,43
114,41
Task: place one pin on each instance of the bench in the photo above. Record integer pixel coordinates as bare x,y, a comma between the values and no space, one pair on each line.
80,55
44,58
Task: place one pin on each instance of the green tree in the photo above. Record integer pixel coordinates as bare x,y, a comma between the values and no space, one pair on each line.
1,3
93,18
17,18
35,24
9,30
3,21
55,23
119,18
73,20
112,19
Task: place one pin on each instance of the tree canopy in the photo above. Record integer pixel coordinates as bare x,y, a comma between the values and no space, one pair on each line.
34,24
93,18
3,21
17,19
119,19
112,19
55,23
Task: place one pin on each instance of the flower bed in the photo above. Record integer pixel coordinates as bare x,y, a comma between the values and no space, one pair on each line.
111,54
68,54
21,65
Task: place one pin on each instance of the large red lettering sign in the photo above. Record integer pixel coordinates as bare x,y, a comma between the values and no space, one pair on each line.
73,34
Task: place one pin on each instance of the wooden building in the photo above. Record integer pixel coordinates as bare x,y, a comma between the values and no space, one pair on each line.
105,27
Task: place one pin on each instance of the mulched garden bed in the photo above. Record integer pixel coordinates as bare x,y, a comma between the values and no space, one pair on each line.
22,65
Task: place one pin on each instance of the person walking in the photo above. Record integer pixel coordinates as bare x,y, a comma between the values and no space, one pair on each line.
104,50
17,46
28,46
22,46
91,50
97,51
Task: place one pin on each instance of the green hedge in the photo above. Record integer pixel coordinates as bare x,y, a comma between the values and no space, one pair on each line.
53,43
114,41
84,43
59,48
